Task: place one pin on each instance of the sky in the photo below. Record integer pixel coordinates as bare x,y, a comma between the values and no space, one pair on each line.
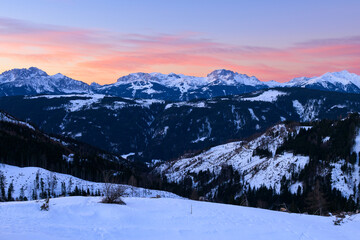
100,41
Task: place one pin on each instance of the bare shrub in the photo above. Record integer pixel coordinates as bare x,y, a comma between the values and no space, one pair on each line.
112,191
45,205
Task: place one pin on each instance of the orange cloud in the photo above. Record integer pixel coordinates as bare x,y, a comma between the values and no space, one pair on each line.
94,55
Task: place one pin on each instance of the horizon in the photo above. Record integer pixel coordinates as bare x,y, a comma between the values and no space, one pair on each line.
89,83
272,41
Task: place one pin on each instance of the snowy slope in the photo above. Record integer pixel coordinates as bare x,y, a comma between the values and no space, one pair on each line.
344,181
143,218
25,178
265,96
258,171
8,118
34,81
332,81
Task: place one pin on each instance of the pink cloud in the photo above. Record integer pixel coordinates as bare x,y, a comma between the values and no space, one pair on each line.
94,55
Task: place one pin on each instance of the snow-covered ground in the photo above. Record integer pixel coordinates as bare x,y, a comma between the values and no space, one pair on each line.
25,178
266,96
162,218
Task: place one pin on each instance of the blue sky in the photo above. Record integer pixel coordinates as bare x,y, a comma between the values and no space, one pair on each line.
228,24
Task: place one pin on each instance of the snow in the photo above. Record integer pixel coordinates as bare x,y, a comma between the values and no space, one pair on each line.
309,111
189,104
37,81
258,171
79,104
148,102
253,116
125,156
58,96
78,134
69,158
25,178
199,139
340,180
145,218
344,181
266,96
338,106
341,80
7,118
294,187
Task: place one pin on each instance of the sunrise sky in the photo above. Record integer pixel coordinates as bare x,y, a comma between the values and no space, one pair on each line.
92,40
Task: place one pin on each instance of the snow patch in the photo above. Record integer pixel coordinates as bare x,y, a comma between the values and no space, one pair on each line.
266,96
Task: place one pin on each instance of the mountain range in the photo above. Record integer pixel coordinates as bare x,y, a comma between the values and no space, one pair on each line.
173,87
157,129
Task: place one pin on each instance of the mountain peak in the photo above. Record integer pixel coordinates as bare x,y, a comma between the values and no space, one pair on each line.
25,73
132,77
221,72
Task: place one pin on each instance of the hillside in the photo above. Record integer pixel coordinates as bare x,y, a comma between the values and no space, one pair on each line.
22,144
163,218
305,168
32,183
156,129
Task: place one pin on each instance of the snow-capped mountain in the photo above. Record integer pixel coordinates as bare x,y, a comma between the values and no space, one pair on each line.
34,81
181,87
173,87
332,81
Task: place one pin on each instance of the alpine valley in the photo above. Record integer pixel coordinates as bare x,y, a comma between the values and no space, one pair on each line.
226,137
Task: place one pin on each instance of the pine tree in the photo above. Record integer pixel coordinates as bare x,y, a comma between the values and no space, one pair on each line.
2,186
10,192
22,194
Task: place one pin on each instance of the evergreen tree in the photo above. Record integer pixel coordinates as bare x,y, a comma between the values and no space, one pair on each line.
10,192
2,186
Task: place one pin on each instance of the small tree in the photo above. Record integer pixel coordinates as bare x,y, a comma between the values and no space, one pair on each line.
45,205
10,192
2,187
112,192
22,194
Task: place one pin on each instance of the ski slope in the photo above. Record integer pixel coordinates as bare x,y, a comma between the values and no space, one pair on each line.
162,218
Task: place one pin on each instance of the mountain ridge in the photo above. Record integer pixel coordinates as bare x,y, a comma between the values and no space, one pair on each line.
173,87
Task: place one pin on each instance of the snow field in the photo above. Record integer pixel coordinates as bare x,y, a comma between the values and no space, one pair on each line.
164,218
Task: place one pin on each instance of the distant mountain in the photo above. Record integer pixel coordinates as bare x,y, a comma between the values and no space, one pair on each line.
172,87
181,87
157,129
333,81
34,81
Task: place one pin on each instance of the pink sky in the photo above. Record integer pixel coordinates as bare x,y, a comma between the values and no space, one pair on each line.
96,55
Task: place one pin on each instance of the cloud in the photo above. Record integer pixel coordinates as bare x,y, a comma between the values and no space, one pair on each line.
102,56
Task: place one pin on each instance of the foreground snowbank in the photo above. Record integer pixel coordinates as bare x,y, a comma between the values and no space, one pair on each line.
164,218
